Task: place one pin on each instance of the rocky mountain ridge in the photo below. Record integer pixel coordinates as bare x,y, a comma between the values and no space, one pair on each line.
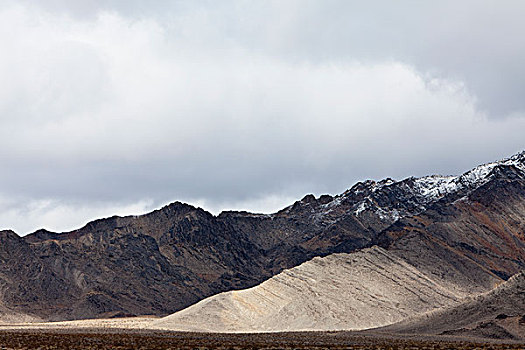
472,224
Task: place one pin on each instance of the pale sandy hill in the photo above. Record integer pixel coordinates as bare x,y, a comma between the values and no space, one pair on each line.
10,317
120,323
369,288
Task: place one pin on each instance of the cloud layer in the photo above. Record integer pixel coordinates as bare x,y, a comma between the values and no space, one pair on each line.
118,108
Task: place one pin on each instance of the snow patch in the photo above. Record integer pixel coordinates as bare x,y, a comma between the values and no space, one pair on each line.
360,208
390,215
435,186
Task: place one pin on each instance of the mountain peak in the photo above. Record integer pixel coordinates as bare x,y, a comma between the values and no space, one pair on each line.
390,199
8,234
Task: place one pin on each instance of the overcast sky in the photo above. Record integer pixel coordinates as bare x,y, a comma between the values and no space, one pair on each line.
119,107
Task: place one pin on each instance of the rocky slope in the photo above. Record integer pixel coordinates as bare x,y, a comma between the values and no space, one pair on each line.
464,232
360,290
483,231
26,283
499,313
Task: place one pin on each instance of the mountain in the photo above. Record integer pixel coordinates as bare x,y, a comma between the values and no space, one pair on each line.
464,233
499,313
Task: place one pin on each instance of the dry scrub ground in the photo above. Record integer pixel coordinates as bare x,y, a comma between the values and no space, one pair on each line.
126,339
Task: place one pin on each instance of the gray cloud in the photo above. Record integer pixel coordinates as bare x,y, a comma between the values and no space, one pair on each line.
115,107
478,42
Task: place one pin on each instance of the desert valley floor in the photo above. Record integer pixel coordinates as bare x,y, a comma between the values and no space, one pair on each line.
87,338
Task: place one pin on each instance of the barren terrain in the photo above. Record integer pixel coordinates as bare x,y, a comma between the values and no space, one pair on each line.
127,339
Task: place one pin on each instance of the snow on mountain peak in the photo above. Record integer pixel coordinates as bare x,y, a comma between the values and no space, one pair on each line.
424,190
435,186
390,200
480,174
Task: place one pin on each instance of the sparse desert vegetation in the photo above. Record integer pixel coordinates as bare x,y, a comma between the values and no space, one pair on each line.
96,339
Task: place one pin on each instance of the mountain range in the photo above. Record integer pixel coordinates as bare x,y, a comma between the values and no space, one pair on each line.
390,250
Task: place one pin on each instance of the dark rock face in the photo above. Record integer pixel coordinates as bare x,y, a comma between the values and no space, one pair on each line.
468,230
26,281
